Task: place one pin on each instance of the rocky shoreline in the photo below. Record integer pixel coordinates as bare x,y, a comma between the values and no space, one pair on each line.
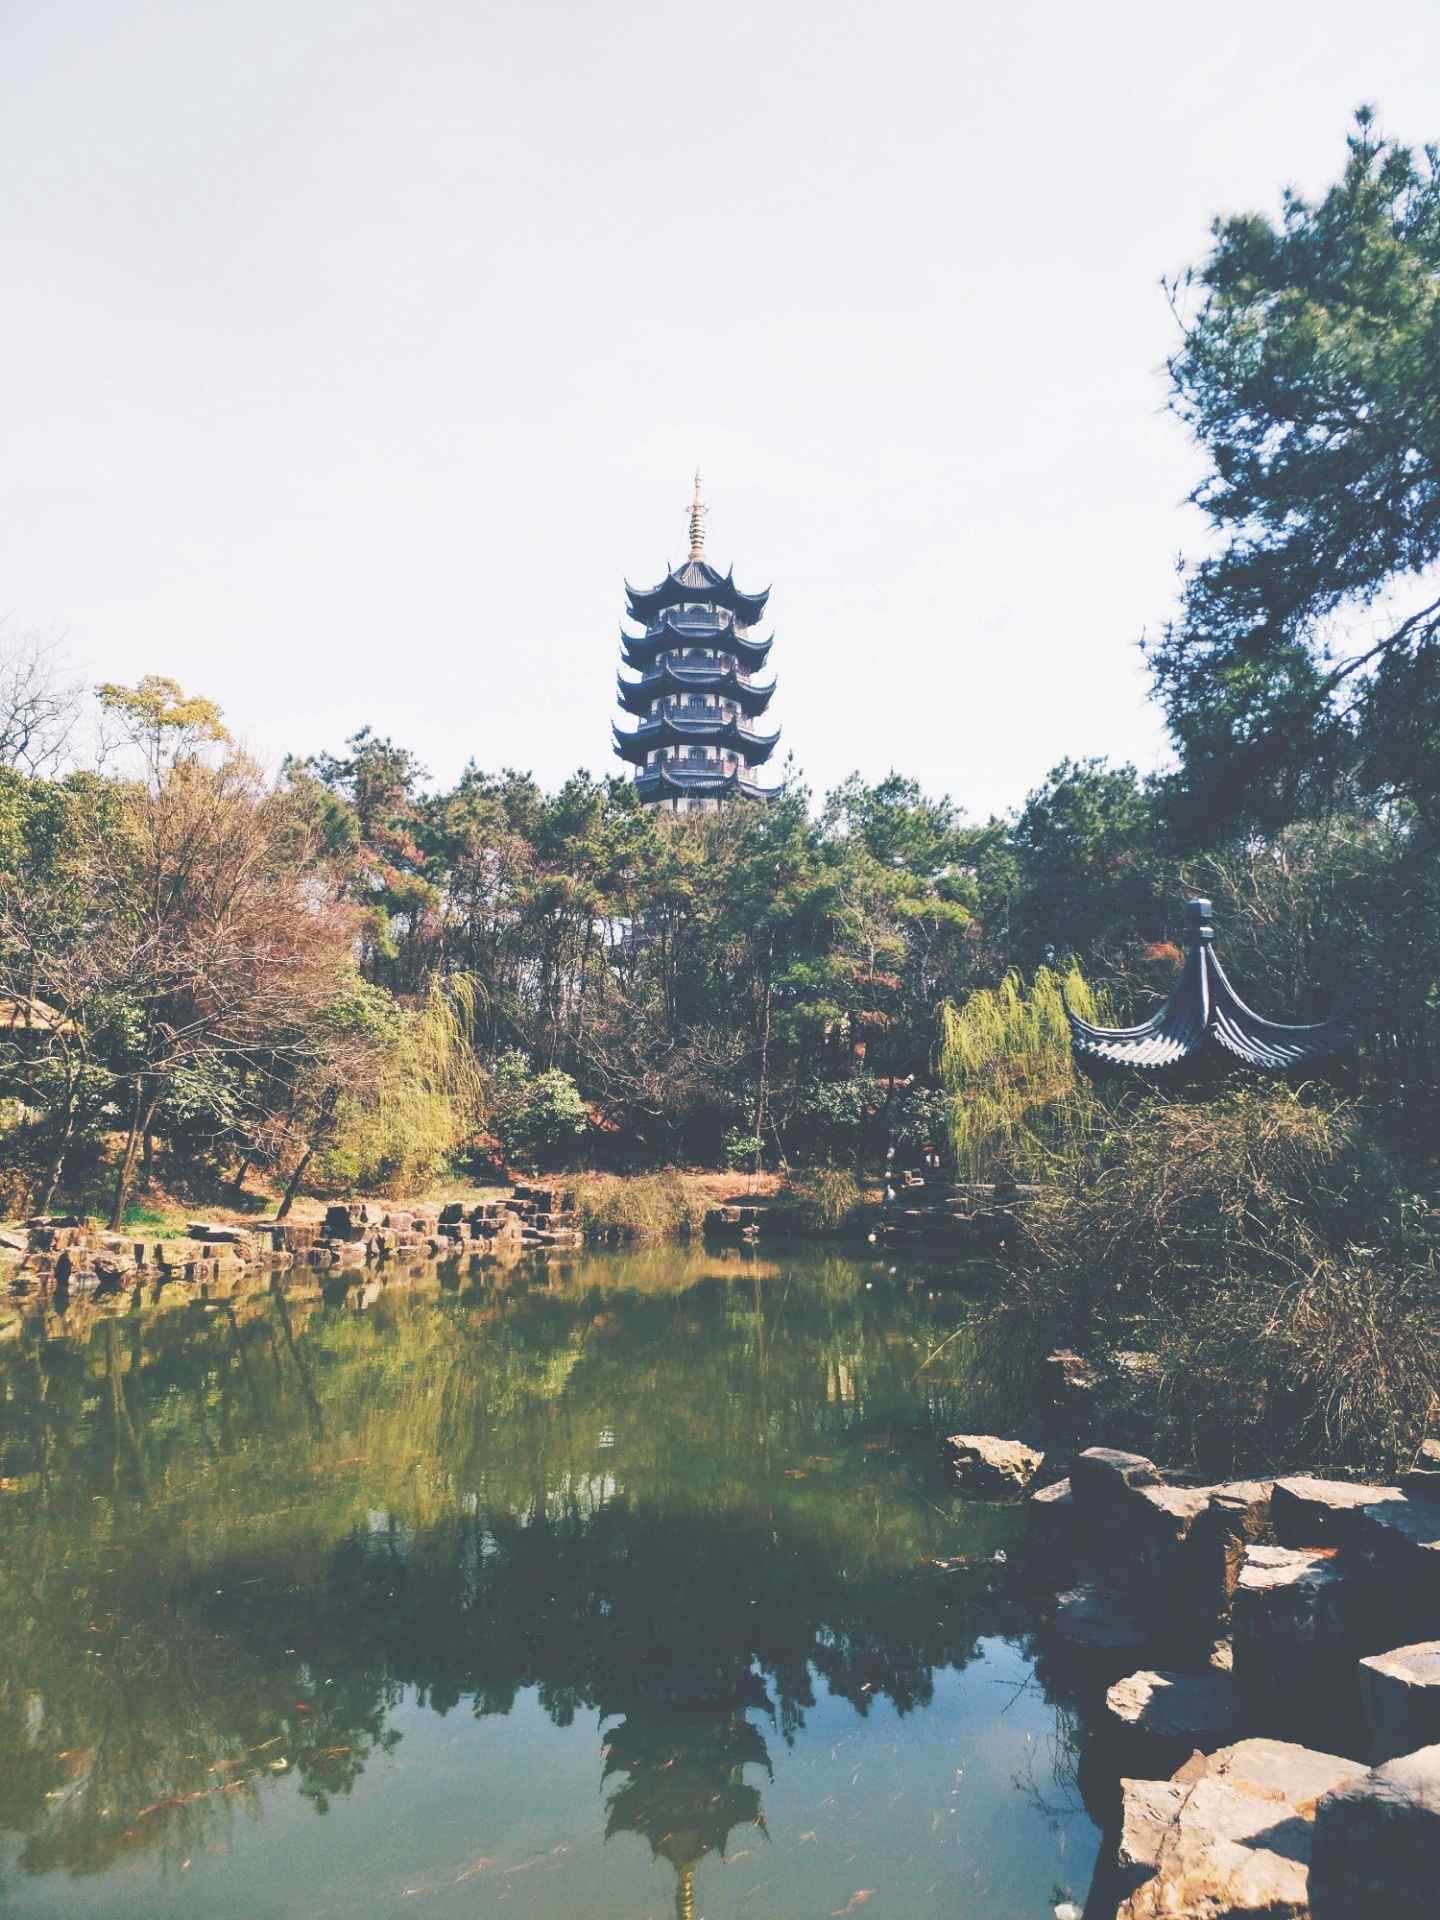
68,1254
1256,1675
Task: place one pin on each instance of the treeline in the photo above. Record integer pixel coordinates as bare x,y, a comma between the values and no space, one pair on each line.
346,976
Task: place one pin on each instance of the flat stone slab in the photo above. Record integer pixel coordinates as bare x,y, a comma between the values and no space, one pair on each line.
1165,1515
991,1467
1199,1707
1400,1693
1288,1594
1229,1837
1375,1854
1246,1505
1094,1616
1055,1502
1404,1532
1103,1476
1319,1513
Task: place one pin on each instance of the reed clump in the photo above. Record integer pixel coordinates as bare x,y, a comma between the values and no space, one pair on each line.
647,1206
822,1199
1256,1268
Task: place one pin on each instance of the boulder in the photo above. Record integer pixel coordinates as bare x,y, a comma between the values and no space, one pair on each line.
1321,1513
1376,1848
1228,1837
1404,1534
219,1234
1400,1693
993,1468
1069,1374
1103,1479
1055,1502
346,1221
1198,1707
1288,1595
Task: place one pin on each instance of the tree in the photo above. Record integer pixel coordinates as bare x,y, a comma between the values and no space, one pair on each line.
212,885
1089,870
1305,656
38,709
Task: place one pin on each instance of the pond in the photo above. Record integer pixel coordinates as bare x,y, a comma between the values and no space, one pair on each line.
626,1585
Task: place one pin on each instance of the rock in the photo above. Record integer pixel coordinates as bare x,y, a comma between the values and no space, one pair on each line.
345,1222
1198,1707
1404,1533
1247,1504
1054,1500
1103,1479
1095,1616
1376,1848
219,1235
993,1468
1228,1837
1071,1378
1287,1594
1321,1513
1163,1516
1400,1692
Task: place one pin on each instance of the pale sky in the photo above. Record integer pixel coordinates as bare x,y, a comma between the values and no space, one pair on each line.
355,354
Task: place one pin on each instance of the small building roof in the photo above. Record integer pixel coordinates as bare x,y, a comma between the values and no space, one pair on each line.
1205,1015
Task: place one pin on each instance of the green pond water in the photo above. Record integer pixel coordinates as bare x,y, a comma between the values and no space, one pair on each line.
619,1587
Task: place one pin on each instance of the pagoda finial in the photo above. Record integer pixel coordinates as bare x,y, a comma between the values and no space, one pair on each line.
697,522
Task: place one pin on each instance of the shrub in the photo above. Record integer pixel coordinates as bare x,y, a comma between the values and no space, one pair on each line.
823,1197
539,1118
739,1149
1259,1249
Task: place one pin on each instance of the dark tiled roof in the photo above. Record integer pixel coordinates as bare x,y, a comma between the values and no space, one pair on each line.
1205,1015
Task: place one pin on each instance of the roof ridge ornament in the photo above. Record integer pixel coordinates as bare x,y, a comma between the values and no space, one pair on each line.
697,522
1204,1016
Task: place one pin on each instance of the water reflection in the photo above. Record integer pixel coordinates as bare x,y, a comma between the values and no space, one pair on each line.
671,1492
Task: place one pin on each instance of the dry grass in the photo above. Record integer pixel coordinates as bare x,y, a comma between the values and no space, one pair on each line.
658,1206
1260,1250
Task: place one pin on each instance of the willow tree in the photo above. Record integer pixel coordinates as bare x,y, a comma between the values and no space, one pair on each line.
396,1092
1017,1104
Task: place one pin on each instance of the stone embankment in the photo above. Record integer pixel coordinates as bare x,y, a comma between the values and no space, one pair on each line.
940,1216
68,1254
1256,1675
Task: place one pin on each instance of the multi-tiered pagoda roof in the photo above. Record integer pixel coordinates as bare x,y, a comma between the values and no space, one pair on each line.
696,695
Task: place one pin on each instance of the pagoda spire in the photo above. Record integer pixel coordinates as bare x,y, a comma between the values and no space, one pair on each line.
697,522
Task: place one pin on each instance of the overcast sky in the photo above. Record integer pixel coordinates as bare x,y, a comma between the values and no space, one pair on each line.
354,354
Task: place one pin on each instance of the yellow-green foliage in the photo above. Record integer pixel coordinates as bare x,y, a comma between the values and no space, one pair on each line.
822,1197
648,1206
1017,1104
422,1098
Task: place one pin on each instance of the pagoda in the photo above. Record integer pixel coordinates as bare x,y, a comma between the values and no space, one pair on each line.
697,697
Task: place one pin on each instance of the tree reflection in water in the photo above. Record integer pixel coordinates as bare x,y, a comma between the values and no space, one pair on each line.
666,1489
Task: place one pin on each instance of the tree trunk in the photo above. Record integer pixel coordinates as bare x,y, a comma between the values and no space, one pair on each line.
764,1087
141,1117
292,1186
56,1164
